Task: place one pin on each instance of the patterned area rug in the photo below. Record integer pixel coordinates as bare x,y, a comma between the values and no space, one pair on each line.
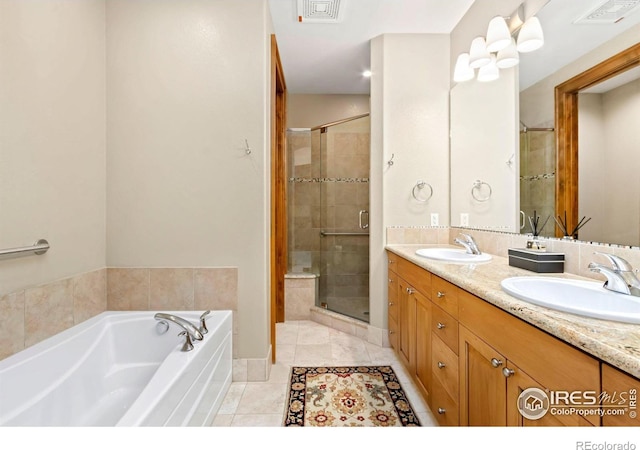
358,396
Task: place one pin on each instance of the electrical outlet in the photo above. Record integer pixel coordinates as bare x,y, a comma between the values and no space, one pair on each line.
464,219
434,220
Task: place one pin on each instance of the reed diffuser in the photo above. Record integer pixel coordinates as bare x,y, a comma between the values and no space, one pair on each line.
535,243
574,232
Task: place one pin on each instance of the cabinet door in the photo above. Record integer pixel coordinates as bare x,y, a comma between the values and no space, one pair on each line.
517,382
406,324
483,387
616,383
423,344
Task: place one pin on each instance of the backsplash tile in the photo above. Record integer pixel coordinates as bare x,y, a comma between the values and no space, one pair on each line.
578,254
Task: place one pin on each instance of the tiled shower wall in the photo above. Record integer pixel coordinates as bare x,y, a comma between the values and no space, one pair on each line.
344,268
537,175
328,186
34,314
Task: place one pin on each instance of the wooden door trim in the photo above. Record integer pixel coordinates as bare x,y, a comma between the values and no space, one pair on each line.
566,119
278,240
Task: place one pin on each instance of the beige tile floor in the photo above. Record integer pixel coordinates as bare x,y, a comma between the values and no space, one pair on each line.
306,343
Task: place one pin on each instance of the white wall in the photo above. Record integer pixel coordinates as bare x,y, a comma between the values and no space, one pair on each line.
409,119
537,102
52,138
484,137
187,85
609,186
313,110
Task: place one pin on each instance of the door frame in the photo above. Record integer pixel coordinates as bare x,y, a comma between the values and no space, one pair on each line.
278,254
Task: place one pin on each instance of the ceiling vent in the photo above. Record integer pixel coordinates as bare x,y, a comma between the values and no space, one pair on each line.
609,11
319,11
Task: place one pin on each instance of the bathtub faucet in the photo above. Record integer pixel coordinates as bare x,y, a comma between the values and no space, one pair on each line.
190,331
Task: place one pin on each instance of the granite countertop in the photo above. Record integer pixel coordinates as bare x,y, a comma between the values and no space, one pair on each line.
613,342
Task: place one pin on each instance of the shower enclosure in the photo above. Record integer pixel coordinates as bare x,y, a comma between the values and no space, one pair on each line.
537,176
329,212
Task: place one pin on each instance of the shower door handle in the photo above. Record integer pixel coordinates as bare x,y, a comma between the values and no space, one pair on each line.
363,225
522,220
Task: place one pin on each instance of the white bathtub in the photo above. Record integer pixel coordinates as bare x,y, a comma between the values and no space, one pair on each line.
116,370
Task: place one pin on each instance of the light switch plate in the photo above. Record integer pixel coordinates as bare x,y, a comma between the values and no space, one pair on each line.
435,221
464,219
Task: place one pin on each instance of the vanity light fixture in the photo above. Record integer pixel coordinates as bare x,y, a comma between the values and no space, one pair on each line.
479,55
366,74
508,56
489,72
530,37
498,34
507,37
462,71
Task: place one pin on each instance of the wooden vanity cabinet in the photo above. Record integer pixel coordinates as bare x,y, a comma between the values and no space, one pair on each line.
410,314
503,355
624,391
471,360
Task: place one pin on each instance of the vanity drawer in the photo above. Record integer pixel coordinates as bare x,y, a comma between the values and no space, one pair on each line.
445,295
416,277
445,327
444,366
393,295
444,408
392,262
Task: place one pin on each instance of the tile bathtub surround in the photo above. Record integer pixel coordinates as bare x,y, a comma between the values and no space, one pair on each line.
34,314
150,289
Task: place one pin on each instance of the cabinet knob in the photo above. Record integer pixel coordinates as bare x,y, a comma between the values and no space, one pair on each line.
390,281
440,325
495,362
440,294
508,372
410,290
392,332
390,261
390,303
441,365
441,410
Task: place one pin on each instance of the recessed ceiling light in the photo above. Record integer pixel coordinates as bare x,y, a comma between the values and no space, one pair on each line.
366,73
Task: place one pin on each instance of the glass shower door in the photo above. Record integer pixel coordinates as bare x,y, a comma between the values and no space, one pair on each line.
344,215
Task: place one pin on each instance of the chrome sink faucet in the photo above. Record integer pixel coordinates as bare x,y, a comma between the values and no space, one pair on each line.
190,332
468,243
620,276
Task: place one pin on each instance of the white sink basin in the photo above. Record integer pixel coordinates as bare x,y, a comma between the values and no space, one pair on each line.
585,298
452,255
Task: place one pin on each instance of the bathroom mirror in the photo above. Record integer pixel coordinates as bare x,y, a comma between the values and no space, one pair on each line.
570,48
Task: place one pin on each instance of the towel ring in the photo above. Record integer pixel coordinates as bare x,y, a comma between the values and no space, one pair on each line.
420,185
477,185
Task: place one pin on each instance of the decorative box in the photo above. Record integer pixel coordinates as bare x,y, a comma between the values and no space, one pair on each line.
536,261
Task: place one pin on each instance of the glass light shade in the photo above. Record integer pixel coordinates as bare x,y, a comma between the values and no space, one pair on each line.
478,55
462,71
489,72
530,37
508,57
498,35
